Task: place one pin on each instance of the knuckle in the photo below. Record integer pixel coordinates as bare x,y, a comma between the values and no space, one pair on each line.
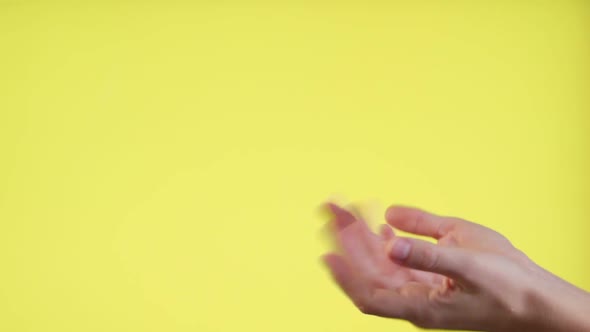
421,324
472,267
424,320
362,308
370,305
426,325
430,258
367,308
448,225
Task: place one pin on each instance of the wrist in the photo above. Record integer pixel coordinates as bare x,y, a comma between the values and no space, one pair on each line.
552,304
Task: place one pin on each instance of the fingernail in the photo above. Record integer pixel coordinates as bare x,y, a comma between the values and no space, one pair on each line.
400,249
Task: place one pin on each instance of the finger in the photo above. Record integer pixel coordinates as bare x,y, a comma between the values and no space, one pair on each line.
420,222
426,256
342,217
346,278
357,251
386,232
428,278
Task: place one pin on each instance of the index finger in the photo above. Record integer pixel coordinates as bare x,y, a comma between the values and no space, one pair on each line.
419,222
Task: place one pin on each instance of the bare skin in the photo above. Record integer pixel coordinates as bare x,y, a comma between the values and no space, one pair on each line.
473,278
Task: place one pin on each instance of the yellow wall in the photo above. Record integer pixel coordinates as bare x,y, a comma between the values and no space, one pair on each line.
161,163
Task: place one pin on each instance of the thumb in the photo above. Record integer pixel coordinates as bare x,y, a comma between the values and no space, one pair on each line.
426,256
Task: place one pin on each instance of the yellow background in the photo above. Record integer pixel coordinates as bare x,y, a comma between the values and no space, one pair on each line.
162,162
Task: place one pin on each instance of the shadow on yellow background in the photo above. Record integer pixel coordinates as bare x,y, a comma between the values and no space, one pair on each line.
161,163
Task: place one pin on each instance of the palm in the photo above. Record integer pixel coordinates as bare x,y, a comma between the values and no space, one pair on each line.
366,254
367,271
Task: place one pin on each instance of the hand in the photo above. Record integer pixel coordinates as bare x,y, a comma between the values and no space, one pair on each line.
472,279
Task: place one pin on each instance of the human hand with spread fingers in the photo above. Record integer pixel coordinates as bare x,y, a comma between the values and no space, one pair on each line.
473,278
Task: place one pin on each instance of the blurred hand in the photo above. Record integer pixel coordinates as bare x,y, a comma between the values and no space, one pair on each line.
472,279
